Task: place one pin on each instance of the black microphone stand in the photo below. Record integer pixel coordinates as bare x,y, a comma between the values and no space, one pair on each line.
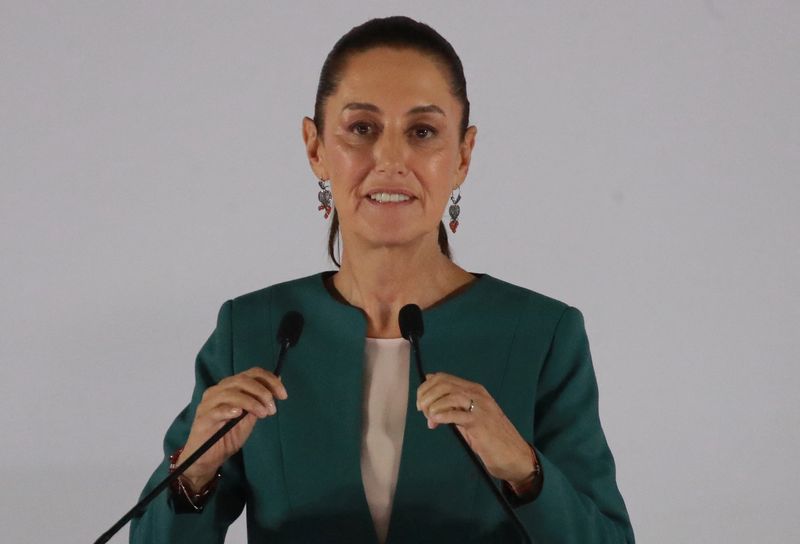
414,340
139,509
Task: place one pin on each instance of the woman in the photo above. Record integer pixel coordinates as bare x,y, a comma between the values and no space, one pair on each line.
346,445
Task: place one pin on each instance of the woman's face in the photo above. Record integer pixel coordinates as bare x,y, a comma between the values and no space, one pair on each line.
390,146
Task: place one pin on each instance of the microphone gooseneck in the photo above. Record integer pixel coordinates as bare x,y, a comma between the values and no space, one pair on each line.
289,331
412,328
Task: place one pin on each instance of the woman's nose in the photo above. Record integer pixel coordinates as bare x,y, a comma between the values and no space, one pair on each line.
390,154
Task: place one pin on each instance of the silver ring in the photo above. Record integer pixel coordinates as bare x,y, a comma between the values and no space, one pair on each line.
471,405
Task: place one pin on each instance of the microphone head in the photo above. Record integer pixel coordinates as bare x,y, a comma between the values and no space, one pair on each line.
410,319
290,328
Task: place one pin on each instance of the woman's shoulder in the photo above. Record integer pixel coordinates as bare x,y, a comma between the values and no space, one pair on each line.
308,287
532,311
503,291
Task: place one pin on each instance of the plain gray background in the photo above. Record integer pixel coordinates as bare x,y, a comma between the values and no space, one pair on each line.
638,160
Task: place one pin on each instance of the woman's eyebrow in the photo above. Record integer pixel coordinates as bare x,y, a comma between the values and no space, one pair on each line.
431,108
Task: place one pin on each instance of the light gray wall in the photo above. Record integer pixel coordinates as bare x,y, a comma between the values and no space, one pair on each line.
638,160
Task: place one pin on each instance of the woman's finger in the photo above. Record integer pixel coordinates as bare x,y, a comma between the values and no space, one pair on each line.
254,387
440,380
269,379
250,385
264,376
430,380
222,413
239,399
441,389
434,393
456,400
459,417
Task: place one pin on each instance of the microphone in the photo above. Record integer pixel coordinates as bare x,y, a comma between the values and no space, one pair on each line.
289,331
412,329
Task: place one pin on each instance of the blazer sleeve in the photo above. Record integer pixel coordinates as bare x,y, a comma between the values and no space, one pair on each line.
164,522
579,500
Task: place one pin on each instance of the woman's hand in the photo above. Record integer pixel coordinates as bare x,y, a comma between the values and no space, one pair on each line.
253,390
445,398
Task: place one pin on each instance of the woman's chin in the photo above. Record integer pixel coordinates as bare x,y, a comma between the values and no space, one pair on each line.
389,232
391,239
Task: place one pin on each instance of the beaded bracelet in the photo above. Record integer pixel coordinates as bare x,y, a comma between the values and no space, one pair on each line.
183,490
528,484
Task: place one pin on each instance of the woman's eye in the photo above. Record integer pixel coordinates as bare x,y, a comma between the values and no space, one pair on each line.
367,129
362,129
424,133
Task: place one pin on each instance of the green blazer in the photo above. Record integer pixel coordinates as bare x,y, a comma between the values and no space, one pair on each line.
299,472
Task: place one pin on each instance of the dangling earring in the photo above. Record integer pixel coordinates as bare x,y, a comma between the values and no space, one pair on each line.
454,209
325,197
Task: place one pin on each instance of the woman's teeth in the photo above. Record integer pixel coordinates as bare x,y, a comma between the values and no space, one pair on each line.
389,197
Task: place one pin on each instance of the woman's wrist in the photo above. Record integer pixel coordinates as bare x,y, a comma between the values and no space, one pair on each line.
191,489
197,476
197,482
526,483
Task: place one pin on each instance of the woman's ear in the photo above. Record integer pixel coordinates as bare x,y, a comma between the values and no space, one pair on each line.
465,150
315,149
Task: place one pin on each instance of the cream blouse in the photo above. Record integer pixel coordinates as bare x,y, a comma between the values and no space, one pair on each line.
385,399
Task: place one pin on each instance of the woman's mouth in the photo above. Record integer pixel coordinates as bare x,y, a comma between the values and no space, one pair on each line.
389,198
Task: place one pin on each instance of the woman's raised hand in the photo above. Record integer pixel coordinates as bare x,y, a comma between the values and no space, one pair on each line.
444,398
253,390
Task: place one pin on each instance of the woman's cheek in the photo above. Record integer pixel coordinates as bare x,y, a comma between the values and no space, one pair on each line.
353,154
347,163
435,165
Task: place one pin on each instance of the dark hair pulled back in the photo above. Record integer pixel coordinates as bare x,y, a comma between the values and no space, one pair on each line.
399,32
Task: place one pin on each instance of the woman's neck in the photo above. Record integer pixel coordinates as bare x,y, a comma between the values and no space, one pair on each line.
382,280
